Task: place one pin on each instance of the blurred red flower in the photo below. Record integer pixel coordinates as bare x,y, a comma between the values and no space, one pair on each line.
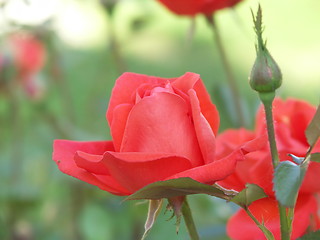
193,7
28,53
291,120
22,58
161,129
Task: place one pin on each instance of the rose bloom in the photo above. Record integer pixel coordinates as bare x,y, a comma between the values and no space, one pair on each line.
23,55
193,7
291,118
161,129
28,53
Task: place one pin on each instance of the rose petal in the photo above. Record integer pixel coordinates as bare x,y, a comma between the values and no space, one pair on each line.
90,162
192,81
64,152
231,139
203,130
208,109
309,185
94,165
213,171
125,87
135,170
119,121
241,227
180,6
186,81
193,7
161,123
255,168
293,114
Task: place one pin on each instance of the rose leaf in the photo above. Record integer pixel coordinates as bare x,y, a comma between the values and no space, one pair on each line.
315,157
251,193
178,187
287,181
313,130
311,236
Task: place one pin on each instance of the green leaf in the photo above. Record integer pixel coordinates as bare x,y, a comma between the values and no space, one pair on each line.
315,157
178,187
313,130
153,212
311,236
251,193
287,181
266,232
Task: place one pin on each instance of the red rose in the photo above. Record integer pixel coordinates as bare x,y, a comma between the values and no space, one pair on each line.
161,129
193,7
291,119
241,227
24,54
29,53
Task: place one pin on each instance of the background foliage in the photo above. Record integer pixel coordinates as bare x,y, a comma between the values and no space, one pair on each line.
87,49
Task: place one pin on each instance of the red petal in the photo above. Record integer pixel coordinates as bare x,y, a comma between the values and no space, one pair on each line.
204,132
91,163
208,109
186,81
241,227
309,184
136,170
161,124
125,88
64,152
213,171
292,114
192,7
256,166
192,81
119,121
231,139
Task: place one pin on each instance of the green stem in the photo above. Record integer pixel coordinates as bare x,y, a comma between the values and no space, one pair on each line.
227,68
290,219
114,45
265,231
191,227
267,99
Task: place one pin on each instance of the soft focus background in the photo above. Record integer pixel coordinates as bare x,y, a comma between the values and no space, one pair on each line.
79,48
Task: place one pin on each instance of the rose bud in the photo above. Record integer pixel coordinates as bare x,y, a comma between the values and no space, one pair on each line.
265,75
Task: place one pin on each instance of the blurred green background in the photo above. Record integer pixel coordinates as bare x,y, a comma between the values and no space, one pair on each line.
88,45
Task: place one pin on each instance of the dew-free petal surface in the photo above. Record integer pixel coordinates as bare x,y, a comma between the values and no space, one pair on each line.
135,170
64,152
161,123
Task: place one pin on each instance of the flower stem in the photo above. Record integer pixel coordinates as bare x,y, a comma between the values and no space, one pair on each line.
191,227
266,232
267,99
227,68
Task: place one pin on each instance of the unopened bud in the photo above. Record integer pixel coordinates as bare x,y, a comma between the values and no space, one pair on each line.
265,75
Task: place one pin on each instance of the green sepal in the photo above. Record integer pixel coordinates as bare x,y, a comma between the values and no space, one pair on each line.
251,193
153,212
